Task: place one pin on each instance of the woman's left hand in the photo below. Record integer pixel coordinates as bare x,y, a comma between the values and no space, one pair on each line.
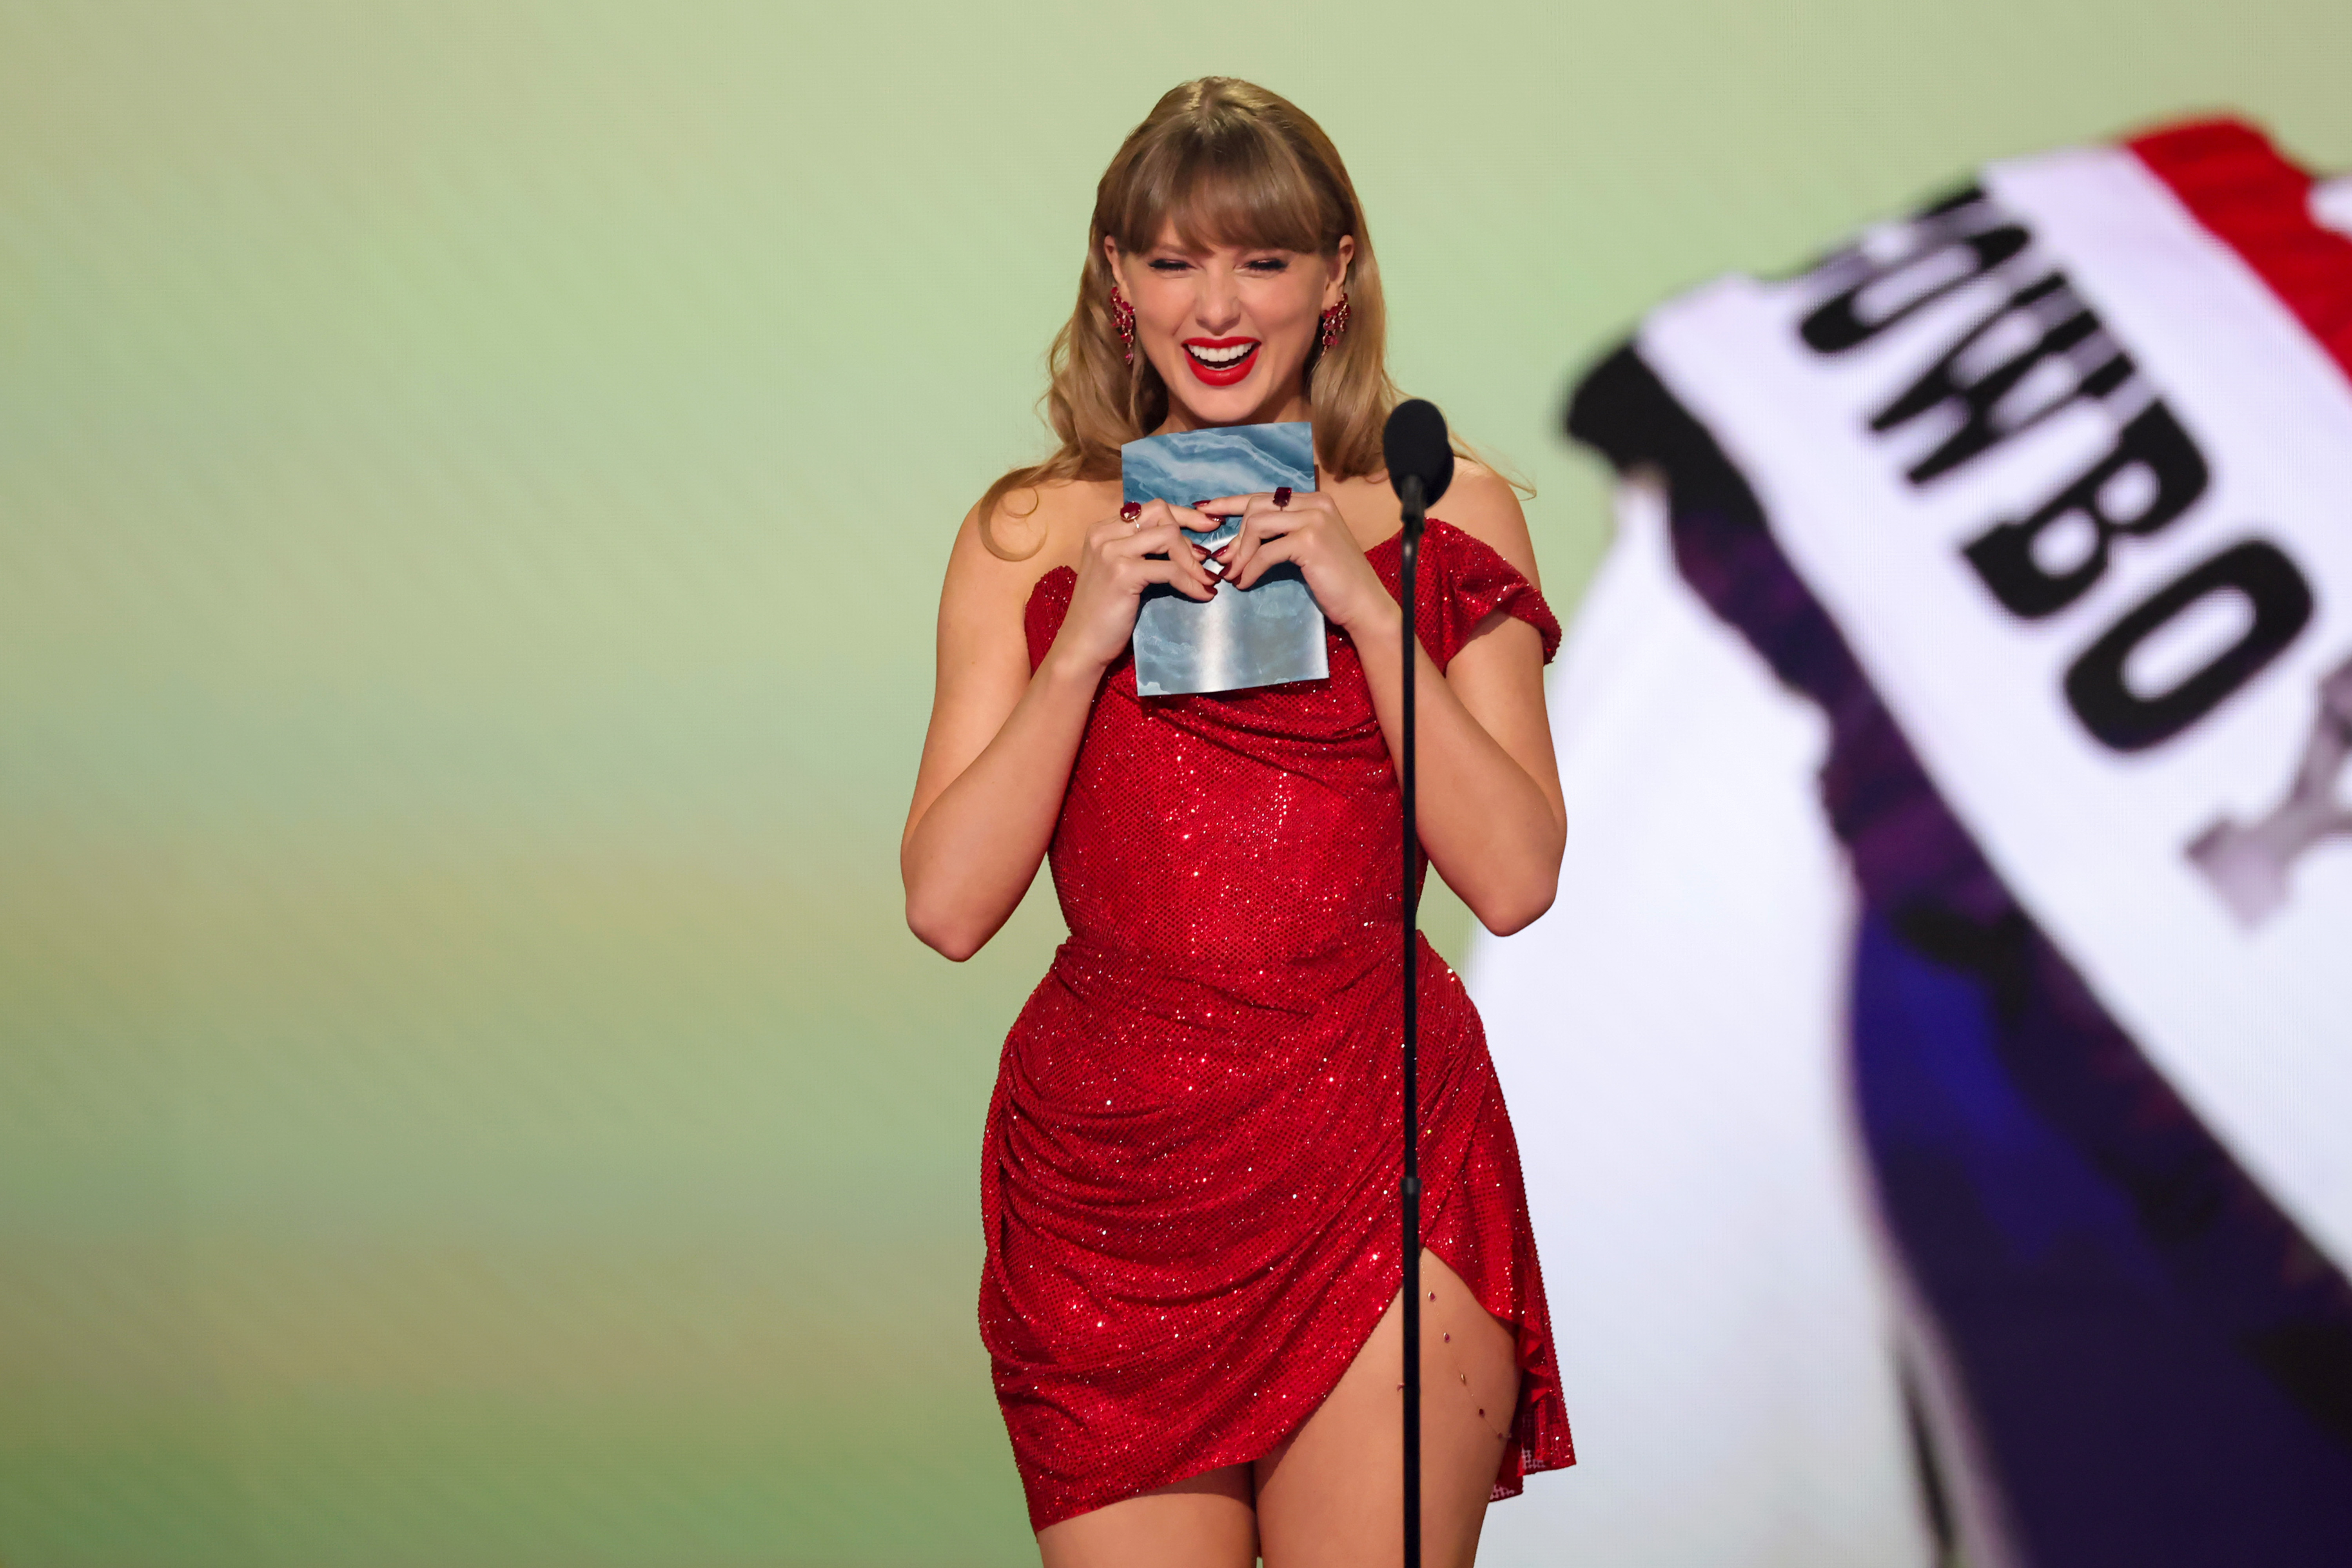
1309,533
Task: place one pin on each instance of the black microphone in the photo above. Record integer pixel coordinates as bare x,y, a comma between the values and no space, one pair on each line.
1420,458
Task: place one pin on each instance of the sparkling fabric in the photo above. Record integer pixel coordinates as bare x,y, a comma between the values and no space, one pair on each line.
1190,1173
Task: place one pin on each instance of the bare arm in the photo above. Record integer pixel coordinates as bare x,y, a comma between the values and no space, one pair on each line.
1491,815
997,757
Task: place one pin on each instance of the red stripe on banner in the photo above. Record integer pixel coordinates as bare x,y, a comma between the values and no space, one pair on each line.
2237,185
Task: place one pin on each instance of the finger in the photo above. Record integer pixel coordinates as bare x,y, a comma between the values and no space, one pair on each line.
1194,583
1109,530
1269,554
1273,521
1128,526
1236,552
1147,538
1212,558
1309,518
1236,503
1156,513
1168,539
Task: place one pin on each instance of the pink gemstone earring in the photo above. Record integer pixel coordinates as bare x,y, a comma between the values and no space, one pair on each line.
1122,316
1335,321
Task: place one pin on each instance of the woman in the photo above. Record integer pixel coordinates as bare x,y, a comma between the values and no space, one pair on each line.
1189,1183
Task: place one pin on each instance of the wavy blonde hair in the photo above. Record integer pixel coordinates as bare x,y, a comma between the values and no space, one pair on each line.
1228,164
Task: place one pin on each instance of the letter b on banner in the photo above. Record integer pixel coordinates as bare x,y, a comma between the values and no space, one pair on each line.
2128,720
2153,454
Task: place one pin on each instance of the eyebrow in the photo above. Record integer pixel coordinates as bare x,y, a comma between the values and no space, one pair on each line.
1191,254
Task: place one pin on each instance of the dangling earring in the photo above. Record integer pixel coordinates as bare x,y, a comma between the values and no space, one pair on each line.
1122,316
1335,321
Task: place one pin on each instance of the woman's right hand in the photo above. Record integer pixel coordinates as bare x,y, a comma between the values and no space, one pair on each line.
1119,558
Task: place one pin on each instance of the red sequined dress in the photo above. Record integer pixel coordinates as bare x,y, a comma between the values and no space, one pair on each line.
1190,1173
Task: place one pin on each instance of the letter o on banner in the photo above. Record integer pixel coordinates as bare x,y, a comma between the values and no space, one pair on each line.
2126,720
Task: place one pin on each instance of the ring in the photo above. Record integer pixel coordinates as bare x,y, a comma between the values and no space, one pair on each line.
1131,514
1281,497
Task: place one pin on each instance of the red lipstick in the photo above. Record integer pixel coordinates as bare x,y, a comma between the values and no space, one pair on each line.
1220,361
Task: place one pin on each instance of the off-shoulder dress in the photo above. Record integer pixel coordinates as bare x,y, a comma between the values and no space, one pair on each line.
1189,1169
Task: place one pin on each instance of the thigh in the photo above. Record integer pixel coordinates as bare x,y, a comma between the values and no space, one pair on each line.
1331,1495
1203,1521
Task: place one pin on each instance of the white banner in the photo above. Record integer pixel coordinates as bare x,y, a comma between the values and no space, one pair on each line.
2077,489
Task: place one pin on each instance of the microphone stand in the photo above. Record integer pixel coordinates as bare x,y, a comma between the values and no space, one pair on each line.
1408,1191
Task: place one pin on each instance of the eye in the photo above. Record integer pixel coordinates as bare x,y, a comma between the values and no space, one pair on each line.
1168,264
1267,265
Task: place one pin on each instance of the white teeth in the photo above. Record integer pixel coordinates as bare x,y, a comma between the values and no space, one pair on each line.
1219,358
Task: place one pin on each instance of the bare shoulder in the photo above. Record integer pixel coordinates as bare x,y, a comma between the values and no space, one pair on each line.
1482,504
1033,530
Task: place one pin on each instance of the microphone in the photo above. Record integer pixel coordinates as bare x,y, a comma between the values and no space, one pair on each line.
1420,458
1421,465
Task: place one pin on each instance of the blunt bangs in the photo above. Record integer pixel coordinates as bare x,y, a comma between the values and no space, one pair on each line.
1230,183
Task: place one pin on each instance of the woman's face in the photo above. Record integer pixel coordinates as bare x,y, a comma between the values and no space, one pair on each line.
1229,328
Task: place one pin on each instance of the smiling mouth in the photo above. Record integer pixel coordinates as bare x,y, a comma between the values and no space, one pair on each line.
1220,361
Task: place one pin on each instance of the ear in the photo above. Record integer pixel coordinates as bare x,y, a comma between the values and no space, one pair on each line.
1111,255
1342,255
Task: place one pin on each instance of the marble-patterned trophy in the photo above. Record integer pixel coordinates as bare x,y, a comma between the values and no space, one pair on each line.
1263,635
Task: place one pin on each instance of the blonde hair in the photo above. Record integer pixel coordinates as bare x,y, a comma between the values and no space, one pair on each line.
1228,164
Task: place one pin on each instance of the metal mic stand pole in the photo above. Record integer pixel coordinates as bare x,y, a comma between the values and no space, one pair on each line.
1409,1193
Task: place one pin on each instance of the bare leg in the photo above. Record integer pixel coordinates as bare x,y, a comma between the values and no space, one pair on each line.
1328,1497
1201,1522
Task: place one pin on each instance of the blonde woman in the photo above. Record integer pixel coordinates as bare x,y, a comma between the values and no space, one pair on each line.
1190,1167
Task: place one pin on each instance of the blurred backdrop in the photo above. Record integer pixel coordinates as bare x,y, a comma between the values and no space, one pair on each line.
473,481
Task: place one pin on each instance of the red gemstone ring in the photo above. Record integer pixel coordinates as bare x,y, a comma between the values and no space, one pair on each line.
1281,497
1131,514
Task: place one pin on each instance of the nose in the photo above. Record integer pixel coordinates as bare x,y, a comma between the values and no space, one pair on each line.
1219,307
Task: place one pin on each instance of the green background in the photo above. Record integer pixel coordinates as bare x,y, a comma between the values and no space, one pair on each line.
473,480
